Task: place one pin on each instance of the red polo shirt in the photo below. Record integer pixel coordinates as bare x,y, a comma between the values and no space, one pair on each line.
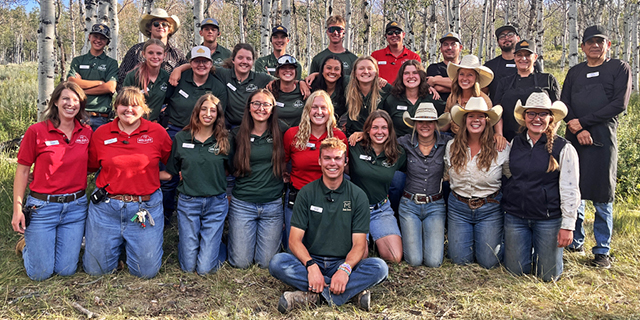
129,162
390,64
60,163
304,163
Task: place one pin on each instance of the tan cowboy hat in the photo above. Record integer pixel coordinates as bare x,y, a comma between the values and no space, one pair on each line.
540,100
158,13
471,62
475,104
426,112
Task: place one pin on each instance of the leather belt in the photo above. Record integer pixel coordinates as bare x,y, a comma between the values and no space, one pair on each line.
130,197
378,205
418,198
475,203
58,199
98,114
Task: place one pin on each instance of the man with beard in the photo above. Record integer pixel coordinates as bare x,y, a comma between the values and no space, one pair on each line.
437,77
391,58
335,33
279,42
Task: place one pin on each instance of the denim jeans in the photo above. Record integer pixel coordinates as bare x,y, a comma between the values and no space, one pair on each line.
54,237
200,224
109,225
288,213
383,223
475,234
423,232
366,274
396,188
169,186
602,227
96,122
255,232
522,235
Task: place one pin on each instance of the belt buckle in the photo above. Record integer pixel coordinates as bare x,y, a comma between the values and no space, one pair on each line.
416,201
475,203
61,199
127,198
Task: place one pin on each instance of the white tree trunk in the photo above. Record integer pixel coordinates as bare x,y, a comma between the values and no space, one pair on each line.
103,12
410,39
634,40
115,27
46,55
286,14
540,32
573,32
433,27
626,33
447,14
366,7
91,16
564,36
146,9
275,4
72,23
347,29
483,28
309,36
455,14
491,44
265,27
198,16
241,20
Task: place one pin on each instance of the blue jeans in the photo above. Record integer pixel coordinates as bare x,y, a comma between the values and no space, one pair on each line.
396,188
475,234
383,223
255,232
423,232
169,186
602,227
96,122
54,237
200,224
109,225
288,213
366,274
522,235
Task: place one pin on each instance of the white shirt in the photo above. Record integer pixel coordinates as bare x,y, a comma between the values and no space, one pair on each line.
473,182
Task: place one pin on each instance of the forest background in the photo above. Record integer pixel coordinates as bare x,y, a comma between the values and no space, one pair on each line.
468,292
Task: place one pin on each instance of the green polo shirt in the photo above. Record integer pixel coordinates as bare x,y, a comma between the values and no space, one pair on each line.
289,106
202,169
357,125
373,173
346,57
156,90
329,224
261,185
217,56
396,106
183,98
239,91
268,64
102,68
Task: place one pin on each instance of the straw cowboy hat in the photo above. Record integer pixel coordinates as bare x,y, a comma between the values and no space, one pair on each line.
158,13
471,62
426,112
540,100
475,104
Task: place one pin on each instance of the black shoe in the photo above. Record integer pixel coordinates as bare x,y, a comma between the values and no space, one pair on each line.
601,261
579,250
363,300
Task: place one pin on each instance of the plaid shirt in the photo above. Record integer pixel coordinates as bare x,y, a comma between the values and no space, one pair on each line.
174,58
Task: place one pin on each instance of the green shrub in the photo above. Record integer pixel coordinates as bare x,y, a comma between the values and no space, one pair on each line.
18,99
629,151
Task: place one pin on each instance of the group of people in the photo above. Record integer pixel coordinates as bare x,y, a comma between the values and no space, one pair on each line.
372,147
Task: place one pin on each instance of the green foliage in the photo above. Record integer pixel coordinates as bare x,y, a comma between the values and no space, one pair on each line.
629,151
18,97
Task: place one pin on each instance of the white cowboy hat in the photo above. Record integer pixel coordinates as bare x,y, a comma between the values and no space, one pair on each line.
158,13
471,62
540,100
476,104
426,112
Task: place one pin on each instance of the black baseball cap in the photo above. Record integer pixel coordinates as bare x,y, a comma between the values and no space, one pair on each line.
594,31
281,29
392,25
506,27
102,29
524,45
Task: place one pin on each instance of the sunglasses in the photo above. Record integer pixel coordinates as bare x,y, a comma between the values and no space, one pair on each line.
394,31
164,24
287,60
335,29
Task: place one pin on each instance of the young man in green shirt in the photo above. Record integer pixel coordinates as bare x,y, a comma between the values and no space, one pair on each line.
328,240
210,32
97,75
335,33
279,42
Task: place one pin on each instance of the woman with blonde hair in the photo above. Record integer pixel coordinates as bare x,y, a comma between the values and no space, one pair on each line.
363,94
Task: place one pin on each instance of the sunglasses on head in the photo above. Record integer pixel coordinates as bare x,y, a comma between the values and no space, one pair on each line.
335,28
164,24
394,31
287,60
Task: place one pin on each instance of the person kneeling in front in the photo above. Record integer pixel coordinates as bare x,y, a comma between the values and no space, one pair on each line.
328,239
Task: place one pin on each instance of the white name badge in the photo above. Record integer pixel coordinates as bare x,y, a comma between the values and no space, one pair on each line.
52,143
184,94
402,108
510,65
280,104
316,209
310,145
252,138
84,66
382,62
365,157
110,141
231,86
188,145
271,69
593,74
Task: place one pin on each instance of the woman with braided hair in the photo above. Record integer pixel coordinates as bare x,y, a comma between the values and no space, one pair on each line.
542,196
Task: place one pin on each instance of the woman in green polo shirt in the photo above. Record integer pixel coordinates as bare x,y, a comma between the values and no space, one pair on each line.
286,90
255,214
149,77
199,155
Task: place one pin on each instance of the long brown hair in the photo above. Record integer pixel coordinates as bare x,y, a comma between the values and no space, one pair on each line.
143,69
354,95
456,91
399,89
51,112
304,129
390,147
219,130
488,153
243,139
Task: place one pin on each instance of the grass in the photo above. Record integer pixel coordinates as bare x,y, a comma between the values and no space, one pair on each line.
465,292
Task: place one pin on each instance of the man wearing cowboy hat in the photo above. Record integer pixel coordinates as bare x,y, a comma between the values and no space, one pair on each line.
279,42
158,25
96,74
595,92
210,32
391,58
450,47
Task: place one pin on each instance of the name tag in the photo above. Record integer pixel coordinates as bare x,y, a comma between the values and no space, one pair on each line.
280,104
311,145
184,94
510,65
365,157
52,143
593,74
316,209
188,145
84,66
231,86
382,62
252,138
271,69
402,108
110,141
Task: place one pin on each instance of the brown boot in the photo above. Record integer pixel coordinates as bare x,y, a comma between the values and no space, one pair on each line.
291,299
20,246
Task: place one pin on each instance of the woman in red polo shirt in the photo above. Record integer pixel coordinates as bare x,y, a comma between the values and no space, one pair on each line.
55,210
127,151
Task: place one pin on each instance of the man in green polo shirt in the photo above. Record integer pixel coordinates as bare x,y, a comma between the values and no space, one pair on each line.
335,32
97,75
210,32
279,42
328,240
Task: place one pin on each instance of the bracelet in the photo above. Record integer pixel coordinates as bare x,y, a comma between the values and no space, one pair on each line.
346,266
345,270
577,133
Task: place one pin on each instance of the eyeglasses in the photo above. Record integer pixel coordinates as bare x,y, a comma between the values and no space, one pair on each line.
508,34
164,24
394,31
287,60
335,29
532,115
255,105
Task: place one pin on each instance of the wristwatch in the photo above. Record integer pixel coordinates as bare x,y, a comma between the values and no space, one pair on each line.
309,263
